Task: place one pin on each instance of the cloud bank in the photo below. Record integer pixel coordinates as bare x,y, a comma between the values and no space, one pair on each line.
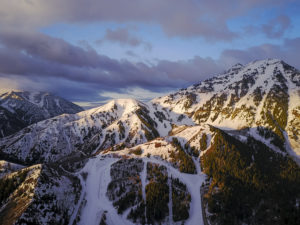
30,59
83,72
187,18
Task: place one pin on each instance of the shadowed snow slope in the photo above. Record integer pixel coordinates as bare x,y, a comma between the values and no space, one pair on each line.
22,108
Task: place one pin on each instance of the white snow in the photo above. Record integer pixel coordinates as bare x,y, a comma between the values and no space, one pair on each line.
98,178
98,170
144,180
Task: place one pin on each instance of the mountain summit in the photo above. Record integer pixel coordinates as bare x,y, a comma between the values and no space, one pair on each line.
262,95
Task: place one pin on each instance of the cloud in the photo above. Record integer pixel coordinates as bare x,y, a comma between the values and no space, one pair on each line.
275,28
131,54
53,64
31,60
47,48
192,70
288,52
134,92
122,36
190,18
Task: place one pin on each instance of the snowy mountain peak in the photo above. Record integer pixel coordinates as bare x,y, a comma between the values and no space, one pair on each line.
125,104
45,101
269,61
262,94
118,106
25,108
235,67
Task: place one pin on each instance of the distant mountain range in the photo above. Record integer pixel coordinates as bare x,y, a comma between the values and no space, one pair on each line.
19,109
233,138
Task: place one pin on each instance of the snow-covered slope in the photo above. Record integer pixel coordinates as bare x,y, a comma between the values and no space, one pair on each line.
22,108
126,122
263,95
115,170
261,98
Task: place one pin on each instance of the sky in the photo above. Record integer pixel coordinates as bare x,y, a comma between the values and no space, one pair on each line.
90,51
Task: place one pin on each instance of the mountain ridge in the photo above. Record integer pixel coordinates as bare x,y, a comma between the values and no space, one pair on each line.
25,108
234,137
226,101
239,106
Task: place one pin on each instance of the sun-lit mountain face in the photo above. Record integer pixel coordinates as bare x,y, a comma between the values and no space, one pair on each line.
261,97
161,112
226,146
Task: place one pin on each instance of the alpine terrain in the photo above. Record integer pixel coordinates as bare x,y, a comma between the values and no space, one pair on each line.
19,109
223,151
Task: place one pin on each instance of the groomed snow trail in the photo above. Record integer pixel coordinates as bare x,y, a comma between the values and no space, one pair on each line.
193,183
98,178
98,170
144,179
